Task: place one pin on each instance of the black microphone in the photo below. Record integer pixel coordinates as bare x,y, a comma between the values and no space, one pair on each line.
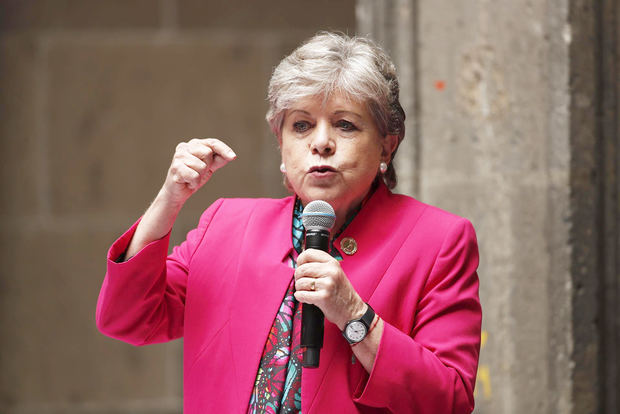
318,218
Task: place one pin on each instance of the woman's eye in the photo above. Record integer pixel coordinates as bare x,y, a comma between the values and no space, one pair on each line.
301,126
345,125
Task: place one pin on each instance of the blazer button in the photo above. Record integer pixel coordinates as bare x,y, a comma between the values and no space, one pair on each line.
348,245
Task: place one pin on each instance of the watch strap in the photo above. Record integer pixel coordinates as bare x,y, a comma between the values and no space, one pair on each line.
368,317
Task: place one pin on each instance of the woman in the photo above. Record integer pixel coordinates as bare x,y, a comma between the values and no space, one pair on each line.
402,271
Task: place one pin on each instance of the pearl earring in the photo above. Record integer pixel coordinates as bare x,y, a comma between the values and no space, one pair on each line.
282,168
383,167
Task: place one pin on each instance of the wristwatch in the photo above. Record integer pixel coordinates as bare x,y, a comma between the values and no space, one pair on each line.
356,329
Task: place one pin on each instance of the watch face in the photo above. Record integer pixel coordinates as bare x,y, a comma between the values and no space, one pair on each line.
355,331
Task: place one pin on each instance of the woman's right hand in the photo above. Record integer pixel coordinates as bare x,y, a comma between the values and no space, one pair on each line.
193,164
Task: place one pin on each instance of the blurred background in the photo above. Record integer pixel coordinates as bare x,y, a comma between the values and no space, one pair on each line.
512,121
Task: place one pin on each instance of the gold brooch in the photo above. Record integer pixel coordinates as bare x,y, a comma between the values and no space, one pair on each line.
348,245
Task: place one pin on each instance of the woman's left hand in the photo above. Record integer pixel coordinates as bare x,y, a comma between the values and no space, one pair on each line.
320,281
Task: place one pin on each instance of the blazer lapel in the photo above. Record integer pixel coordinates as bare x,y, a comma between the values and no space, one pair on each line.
260,291
375,231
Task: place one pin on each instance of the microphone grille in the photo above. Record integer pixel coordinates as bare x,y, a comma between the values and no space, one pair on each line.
318,214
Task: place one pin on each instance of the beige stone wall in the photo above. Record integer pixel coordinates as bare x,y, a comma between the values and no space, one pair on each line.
513,122
94,96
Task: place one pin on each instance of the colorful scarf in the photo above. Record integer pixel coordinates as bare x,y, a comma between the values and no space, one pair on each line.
277,388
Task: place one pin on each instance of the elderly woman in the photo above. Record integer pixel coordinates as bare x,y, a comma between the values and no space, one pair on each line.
402,272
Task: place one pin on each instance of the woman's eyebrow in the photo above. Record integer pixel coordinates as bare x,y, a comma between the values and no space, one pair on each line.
340,112
300,110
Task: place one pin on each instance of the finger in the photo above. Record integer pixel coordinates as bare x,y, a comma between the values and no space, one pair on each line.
312,298
182,174
194,163
314,255
308,284
301,296
313,270
218,162
198,149
219,148
209,154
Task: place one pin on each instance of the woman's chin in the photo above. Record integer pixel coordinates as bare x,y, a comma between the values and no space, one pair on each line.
327,194
336,194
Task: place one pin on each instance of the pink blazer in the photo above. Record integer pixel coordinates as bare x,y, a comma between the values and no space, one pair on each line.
221,288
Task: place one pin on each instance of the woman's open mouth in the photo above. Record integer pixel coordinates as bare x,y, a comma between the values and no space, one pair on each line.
321,171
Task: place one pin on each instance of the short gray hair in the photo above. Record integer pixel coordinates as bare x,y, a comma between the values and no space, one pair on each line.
334,62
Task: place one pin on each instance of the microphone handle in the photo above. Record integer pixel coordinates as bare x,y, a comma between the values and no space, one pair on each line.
312,318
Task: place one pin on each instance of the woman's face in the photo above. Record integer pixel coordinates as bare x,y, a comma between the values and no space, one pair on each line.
332,151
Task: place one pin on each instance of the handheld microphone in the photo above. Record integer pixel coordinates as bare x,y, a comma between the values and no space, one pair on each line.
318,218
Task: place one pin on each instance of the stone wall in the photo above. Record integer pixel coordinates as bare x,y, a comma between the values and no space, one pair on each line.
513,120
94,96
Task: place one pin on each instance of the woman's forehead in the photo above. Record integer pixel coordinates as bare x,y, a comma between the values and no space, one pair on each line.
334,103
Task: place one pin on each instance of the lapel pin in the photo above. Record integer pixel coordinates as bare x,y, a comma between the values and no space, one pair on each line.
348,245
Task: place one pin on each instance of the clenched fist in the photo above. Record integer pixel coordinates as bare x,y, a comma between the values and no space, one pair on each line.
193,163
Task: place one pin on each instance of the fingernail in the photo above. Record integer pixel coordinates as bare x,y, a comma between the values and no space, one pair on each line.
232,153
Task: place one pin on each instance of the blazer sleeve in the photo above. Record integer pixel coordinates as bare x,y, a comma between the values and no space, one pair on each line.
432,369
142,300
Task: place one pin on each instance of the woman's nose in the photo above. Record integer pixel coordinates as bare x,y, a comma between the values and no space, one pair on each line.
322,142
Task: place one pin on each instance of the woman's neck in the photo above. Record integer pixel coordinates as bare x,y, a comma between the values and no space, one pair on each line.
346,216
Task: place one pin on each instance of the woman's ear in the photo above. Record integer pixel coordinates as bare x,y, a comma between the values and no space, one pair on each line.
389,144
